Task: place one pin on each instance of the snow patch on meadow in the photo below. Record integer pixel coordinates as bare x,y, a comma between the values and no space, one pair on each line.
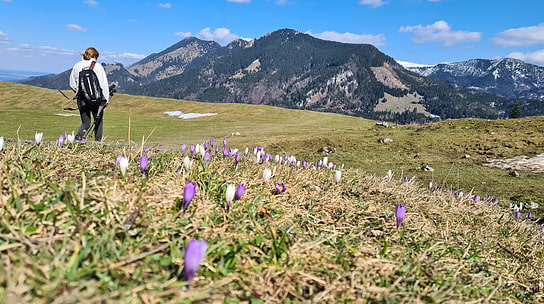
182,115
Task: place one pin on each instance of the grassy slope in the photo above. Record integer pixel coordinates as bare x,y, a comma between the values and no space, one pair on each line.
317,242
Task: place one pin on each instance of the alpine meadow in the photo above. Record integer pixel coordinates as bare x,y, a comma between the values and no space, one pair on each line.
259,204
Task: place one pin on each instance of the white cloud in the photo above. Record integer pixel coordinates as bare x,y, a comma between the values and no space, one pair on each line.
282,2
183,34
75,28
4,38
221,35
130,56
523,36
91,2
7,0
373,3
165,5
376,40
440,31
534,57
239,1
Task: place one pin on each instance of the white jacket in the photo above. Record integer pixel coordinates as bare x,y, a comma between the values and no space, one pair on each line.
99,71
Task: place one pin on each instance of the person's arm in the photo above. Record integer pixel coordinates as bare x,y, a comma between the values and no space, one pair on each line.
74,78
103,80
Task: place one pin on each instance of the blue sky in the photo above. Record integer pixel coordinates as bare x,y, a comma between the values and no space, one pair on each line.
48,36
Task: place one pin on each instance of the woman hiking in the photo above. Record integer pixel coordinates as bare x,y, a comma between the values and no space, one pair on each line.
92,93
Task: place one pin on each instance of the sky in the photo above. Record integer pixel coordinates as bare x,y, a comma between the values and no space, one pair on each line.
49,36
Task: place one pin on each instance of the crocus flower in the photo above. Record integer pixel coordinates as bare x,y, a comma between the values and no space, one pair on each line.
267,174
144,161
38,137
194,252
70,138
212,142
337,176
237,160
231,191
400,212
207,156
183,147
60,141
280,188
518,213
123,165
529,215
118,159
224,142
240,190
188,195
192,149
187,163
1,143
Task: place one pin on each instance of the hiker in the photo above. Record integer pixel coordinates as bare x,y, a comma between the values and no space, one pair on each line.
86,108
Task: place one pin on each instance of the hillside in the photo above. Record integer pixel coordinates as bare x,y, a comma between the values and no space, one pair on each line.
293,70
75,229
506,77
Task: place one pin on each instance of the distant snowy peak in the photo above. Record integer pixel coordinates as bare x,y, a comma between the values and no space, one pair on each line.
507,77
409,65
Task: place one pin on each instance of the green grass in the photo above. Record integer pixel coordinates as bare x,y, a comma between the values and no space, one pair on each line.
73,230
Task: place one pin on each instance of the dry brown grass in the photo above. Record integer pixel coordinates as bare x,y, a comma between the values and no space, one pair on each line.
73,231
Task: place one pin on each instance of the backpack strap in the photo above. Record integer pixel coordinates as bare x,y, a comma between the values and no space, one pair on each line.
92,65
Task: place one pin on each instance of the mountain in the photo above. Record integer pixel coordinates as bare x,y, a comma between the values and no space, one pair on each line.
290,69
506,77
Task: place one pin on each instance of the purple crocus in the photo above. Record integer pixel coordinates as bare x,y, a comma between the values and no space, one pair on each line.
194,252
118,159
280,188
60,141
240,190
400,212
207,156
188,195
183,147
237,160
144,161
212,142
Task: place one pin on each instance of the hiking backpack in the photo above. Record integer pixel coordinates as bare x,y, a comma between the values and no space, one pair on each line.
89,92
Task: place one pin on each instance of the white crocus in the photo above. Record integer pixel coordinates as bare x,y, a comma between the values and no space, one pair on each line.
325,161
267,174
337,176
123,165
70,138
187,163
1,143
38,137
231,190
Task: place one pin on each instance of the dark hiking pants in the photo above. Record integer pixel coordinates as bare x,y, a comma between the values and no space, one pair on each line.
85,113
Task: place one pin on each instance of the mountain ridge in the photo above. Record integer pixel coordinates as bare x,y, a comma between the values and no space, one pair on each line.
290,69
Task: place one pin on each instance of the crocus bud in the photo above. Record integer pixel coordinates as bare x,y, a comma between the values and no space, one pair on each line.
118,159
231,191
188,195
267,174
1,143
400,212
60,141
123,165
144,161
38,137
337,176
194,252
240,190
70,138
